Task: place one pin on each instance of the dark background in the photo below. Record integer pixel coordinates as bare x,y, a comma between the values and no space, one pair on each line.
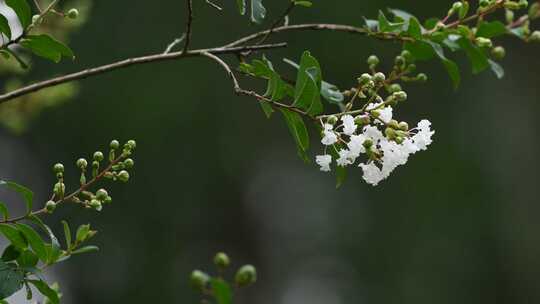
457,224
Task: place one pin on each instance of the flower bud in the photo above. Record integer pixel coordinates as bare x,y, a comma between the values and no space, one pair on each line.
390,133
59,189
406,55
393,124
523,3
221,260
373,61
534,11
483,3
396,87
82,163
509,15
457,6
411,67
332,120
245,276
535,36
50,206
498,52
483,42
58,168
362,120
95,204
379,77
129,163
368,143
400,96
511,5
399,61
123,176
399,140
72,13
364,79
199,279
114,144
101,194
131,144
403,126
107,200
98,156
35,19
422,77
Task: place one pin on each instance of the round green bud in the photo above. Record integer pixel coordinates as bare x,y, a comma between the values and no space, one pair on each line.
457,6
199,279
483,42
535,36
498,52
396,87
50,206
406,55
98,156
123,176
246,275
114,144
390,133
403,126
72,13
399,140
422,77
332,120
400,96
129,163
59,189
368,143
108,175
221,260
101,194
35,19
379,77
394,124
95,204
373,60
510,16
107,200
131,144
362,120
364,79
534,10
523,3
411,67
511,5
82,163
58,168
484,3
399,61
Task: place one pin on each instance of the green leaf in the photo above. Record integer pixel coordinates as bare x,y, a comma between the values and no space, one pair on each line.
67,234
372,25
11,253
47,47
47,291
491,29
4,26
258,12
308,85
387,26
303,3
14,236
420,50
26,193
10,280
36,242
341,172
86,249
27,259
298,130
415,29
496,68
4,211
22,10
241,6
405,16
477,57
53,249
450,66
222,291
82,233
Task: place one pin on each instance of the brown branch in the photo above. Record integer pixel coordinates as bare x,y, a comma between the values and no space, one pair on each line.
130,62
189,24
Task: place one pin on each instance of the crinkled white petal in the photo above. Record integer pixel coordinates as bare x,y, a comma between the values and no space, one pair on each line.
372,174
329,138
349,127
324,161
386,114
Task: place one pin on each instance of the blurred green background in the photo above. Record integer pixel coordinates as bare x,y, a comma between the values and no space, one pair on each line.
457,224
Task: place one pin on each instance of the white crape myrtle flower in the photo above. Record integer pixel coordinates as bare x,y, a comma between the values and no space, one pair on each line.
422,139
373,133
356,144
324,161
345,158
386,114
372,174
349,127
330,136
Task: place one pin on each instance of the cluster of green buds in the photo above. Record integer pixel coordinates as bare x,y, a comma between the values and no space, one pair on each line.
217,286
521,25
116,169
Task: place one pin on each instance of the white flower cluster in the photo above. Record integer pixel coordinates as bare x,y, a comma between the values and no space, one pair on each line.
385,151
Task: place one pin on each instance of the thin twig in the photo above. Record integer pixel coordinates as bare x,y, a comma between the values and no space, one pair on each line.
37,5
129,62
174,43
189,24
212,4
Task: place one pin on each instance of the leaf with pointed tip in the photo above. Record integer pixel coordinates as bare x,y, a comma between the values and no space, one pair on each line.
496,68
35,241
4,27
299,132
4,211
222,291
47,47
241,6
44,289
258,11
26,193
491,29
450,66
14,236
11,280
22,10
477,57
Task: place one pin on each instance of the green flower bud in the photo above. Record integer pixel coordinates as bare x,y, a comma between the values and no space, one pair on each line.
364,79
199,279
399,61
394,124
101,194
399,140
483,42
59,189
123,176
498,52
407,55
108,175
114,144
95,204
390,133
362,120
373,61
535,36
82,163
411,67
72,13
245,276
107,200
131,144
332,120
484,3
368,143
59,175
98,156
534,10
422,77
396,87
400,96
58,168
523,3
35,19
403,126
509,15
50,206
457,6
129,163
511,5
379,77
221,260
